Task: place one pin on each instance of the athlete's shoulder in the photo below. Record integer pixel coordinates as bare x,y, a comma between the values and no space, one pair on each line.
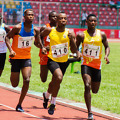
35,28
18,26
81,33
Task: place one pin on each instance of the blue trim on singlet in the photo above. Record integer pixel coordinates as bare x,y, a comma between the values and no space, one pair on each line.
23,33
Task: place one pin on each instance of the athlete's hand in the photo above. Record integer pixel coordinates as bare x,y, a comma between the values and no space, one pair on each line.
107,60
44,51
47,48
12,53
79,55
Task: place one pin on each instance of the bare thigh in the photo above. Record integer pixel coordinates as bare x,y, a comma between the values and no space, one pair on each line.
26,73
14,78
95,86
43,72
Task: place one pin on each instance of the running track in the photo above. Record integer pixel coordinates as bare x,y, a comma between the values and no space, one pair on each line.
34,109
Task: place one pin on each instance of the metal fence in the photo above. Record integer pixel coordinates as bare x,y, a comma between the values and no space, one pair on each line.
12,12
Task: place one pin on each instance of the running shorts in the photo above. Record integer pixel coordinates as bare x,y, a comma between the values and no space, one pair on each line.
2,60
94,73
17,64
52,65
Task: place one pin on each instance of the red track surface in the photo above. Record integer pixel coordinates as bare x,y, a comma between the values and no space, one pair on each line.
34,109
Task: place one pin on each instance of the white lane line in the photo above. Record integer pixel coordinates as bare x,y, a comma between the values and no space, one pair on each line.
23,112
80,105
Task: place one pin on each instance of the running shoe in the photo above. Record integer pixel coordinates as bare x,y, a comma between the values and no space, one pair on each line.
90,116
19,108
49,106
45,102
51,109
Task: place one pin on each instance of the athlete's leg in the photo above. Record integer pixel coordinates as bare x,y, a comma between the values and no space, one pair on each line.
26,73
43,72
2,62
1,72
95,86
54,85
96,80
14,78
86,75
15,72
87,93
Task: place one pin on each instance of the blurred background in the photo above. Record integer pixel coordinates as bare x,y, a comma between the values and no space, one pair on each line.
107,12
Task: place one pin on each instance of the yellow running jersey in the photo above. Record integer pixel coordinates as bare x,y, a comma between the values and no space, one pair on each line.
92,50
59,45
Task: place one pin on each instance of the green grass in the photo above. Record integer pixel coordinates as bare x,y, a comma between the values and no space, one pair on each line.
108,97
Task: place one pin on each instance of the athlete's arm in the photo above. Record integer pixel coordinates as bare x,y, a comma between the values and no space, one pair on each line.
7,29
107,48
41,29
38,42
10,35
45,32
79,39
73,46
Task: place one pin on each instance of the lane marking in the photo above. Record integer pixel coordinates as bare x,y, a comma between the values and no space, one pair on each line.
23,112
79,105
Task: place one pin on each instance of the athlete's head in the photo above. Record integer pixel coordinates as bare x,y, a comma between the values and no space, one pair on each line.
28,15
52,17
62,19
91,21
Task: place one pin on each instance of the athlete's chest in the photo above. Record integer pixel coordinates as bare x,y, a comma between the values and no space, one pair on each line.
59,37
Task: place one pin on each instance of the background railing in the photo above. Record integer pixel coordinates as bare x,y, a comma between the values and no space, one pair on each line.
12,12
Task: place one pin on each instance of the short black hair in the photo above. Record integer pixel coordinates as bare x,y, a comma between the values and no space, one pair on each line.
90,16
27,10
50,14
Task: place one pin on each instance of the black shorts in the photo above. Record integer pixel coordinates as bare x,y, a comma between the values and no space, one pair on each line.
17,64
2,60
52,65
94,73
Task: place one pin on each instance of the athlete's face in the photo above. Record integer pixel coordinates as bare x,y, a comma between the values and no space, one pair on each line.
29,16
92,22
62,19
53,17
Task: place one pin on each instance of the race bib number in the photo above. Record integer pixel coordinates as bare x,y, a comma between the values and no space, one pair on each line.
25,42
91,51
59,50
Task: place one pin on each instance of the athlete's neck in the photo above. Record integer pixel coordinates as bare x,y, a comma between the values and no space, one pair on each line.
60,28
92,32
53,24
27,27
27,24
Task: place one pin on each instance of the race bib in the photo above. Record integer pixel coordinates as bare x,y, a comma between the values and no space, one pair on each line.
91,51
59,50
2,36
25,42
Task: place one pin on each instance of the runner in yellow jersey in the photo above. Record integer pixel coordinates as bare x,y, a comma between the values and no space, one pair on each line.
92,40
60,40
